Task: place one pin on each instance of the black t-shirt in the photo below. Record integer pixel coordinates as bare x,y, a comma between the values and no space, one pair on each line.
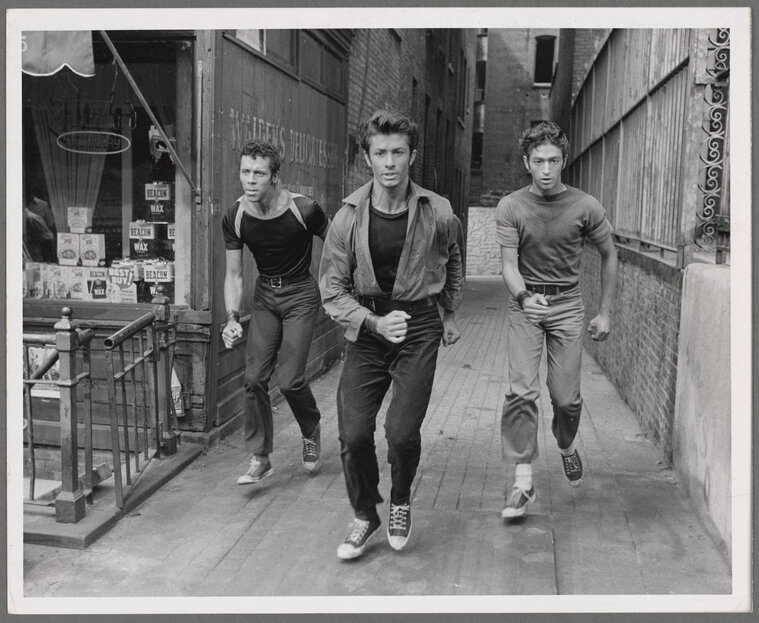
387,233
280,245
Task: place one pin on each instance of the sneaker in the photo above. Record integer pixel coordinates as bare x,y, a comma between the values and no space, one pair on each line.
256,473
516,503
399,525
572,468
355,543
312,449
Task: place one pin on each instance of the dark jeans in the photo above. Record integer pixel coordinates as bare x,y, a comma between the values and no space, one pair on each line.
282,321
370,365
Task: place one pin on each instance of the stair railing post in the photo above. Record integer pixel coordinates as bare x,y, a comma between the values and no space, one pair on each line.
165,403
70,502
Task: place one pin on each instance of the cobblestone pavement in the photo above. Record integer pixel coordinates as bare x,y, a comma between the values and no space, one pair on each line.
627,530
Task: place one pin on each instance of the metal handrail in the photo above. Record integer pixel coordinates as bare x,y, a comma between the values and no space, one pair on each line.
130,330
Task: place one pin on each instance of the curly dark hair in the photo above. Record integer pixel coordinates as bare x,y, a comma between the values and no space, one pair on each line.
544,132
261,149
388,122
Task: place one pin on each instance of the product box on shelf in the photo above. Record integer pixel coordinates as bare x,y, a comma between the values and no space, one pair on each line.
46,276
159,272
166,247
79,219
68,249
58,281
159,199
126,282
77,282
95,282
92,249
36,287
144,239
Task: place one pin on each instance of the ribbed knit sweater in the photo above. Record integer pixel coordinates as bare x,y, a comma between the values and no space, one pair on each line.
549,232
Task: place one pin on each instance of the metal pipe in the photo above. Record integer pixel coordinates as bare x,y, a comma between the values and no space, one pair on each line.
131,329
41,339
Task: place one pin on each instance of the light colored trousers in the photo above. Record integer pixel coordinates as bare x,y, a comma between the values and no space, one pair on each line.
562,331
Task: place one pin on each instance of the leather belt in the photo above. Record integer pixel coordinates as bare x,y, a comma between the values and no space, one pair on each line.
385,306
549,288
278,282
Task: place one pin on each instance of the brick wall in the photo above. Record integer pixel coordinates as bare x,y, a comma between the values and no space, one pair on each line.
512,101
384,64
483,250
640,356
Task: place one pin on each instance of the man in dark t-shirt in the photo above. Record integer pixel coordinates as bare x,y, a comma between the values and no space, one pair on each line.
277,226
542,229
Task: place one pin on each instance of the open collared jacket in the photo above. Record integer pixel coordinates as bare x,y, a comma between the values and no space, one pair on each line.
430,263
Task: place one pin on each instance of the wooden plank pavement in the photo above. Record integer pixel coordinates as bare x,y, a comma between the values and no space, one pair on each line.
628,529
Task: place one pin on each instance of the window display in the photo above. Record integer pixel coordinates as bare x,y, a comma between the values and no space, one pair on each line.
100,200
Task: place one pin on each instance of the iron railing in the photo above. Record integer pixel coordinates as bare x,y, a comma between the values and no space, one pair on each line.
144,421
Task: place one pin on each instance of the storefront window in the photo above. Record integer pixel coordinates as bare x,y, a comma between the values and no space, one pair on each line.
103,198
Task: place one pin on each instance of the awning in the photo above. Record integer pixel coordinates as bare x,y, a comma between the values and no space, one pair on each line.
46,52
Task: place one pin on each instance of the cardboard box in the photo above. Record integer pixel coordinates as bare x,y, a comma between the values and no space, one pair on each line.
92,249
126,284
46,271
79,219
166,247
95,283
68,249
58,282
144,239
77,282
35,284
159,199
160,273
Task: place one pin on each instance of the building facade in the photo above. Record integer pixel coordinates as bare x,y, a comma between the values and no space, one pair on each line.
123,203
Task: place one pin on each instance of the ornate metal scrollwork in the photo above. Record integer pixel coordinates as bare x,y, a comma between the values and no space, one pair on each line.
711,223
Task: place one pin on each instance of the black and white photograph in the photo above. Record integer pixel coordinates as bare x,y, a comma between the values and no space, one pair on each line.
340,310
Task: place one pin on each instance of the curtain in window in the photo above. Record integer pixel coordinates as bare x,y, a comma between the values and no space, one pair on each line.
73,177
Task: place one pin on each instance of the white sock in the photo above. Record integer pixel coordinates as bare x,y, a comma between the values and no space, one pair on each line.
569,450
523,476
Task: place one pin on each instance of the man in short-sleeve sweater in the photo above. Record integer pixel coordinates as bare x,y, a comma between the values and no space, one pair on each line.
278,227
542,229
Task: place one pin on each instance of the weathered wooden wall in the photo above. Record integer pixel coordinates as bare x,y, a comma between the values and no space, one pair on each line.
628,132
256,99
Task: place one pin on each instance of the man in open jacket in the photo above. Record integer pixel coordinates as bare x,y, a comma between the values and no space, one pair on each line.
390,259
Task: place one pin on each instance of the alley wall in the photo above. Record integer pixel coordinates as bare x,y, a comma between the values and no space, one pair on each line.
702,432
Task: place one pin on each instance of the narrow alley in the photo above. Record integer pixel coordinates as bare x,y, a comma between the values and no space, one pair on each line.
627,530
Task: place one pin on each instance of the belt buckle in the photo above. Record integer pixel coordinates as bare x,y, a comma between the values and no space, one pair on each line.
276,282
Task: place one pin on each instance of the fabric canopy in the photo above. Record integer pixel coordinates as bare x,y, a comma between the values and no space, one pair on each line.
47,52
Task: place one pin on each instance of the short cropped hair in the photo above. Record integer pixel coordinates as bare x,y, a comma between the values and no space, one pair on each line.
544,132
388,122
261,149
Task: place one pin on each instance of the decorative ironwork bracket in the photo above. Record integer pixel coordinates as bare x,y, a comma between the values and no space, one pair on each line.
711,222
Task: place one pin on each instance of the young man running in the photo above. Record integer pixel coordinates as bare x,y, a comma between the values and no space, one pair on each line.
390,258
542,229
278,228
